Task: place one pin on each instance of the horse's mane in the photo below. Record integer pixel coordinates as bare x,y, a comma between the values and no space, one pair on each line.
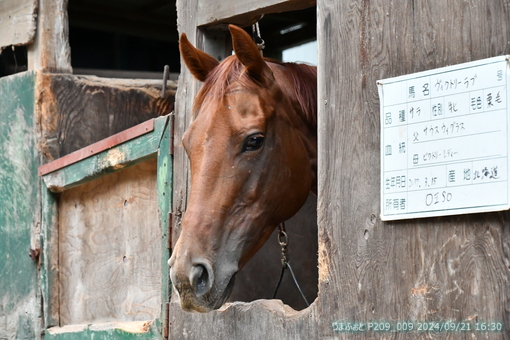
304,76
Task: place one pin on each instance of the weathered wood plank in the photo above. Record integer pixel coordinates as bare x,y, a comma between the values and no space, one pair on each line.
77,111
50,51
137,330
186,91
261,319
438,269
164,187
108,161
17,22
20,209
110,262
244,13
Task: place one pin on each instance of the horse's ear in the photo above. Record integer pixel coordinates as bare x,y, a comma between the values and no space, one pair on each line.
198,62
248,53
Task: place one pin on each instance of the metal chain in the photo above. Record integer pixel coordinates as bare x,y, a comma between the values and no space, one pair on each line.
283,240
257,37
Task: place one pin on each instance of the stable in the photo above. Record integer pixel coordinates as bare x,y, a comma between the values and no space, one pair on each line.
445,276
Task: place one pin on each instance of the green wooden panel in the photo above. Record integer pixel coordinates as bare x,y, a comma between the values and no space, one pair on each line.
108,161
164,185
20,207
49,267
155,143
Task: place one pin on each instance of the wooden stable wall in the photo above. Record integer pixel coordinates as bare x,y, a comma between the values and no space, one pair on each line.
436,269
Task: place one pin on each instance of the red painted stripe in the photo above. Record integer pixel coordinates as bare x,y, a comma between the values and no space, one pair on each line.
97,147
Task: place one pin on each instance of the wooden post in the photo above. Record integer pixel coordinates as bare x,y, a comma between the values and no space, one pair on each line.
17,22
50,51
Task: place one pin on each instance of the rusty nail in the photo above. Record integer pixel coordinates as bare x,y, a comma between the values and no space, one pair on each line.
34,254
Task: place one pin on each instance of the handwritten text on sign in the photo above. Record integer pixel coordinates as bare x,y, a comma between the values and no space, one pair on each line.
445,141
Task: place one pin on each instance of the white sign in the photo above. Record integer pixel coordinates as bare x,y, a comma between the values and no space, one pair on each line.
445,141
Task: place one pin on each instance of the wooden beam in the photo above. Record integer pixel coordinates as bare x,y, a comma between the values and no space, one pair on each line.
108,161
17,22
97,147
126,74
244,13
50,51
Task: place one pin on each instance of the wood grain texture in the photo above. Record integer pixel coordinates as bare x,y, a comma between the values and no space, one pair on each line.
188,87
17,22
437,269
137,330
77,111
245,13
50,51
110,248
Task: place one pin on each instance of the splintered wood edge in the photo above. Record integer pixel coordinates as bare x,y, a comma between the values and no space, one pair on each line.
274,306
130,327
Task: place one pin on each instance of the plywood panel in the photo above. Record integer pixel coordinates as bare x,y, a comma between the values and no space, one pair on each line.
17,22
110,248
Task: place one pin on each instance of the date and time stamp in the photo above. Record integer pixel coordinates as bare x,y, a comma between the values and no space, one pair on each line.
417,327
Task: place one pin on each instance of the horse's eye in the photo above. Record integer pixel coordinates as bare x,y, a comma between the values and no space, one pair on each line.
253,143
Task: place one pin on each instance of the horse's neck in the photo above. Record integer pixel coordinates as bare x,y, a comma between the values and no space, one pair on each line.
308,126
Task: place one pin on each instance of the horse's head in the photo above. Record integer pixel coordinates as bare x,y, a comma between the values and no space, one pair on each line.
252,157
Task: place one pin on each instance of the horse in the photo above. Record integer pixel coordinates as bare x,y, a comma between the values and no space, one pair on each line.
252,147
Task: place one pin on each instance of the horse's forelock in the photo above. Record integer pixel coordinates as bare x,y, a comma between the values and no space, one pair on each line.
217,82
304,76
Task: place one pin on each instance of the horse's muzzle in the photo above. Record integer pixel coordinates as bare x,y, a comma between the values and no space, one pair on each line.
196,288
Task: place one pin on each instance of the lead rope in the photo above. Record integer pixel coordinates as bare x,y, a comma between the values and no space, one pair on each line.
256,36
283,240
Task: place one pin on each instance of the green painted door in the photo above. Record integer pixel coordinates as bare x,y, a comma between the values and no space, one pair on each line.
20,209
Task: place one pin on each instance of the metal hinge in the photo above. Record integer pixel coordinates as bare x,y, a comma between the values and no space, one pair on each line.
172,132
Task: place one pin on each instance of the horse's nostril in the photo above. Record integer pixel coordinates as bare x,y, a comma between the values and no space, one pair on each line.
200,279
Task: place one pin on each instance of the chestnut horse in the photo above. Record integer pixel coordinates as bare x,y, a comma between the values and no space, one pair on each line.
252,148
